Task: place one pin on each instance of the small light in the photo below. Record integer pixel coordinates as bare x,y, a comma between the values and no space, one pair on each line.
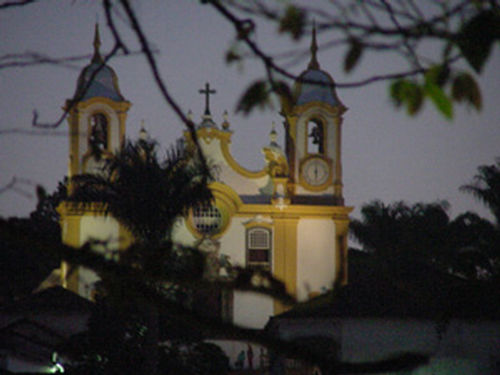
56,368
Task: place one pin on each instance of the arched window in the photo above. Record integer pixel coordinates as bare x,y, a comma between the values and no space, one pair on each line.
259,246
99,132
315,137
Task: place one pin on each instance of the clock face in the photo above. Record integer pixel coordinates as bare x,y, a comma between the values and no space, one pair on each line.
316,171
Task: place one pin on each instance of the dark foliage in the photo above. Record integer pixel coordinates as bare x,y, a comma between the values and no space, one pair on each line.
144,194
22,267
195,359
115,342
405,236
46,208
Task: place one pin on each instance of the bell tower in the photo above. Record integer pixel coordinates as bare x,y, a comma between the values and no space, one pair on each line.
313,123
96,115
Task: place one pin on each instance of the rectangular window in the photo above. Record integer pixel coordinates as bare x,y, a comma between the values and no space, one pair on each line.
259,247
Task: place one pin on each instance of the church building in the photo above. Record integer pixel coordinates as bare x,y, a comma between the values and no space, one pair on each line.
288,218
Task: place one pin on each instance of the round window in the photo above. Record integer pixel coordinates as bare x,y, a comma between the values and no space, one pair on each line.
207,220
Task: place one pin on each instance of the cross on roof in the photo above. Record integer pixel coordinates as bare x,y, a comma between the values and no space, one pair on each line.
207,93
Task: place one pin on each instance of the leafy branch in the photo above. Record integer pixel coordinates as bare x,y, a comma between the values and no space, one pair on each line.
465,30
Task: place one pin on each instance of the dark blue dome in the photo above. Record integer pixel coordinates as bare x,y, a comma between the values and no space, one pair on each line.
315,85
104,83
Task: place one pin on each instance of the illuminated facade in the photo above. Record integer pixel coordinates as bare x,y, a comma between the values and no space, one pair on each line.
288,218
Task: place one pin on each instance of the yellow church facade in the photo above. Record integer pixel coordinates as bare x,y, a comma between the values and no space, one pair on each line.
288,218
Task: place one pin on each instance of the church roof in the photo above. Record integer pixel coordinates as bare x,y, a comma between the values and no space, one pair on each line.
55,300
32,328
98,79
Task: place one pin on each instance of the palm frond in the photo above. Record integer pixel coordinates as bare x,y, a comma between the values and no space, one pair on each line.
144,194
486,187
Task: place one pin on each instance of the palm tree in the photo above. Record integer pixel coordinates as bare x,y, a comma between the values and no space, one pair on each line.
147,196
486,188
144,194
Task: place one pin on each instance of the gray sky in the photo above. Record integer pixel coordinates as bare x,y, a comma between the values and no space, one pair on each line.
386,154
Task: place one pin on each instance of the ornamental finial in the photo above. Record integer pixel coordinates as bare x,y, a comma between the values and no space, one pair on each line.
97,45
313,64
273,135
225,123
143,134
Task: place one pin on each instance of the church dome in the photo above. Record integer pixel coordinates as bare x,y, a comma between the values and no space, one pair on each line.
315,85
105,81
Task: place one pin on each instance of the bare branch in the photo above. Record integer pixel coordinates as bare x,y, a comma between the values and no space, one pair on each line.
34,58
14,183
410,51
31,58
109,19
34,132
19,3
146,49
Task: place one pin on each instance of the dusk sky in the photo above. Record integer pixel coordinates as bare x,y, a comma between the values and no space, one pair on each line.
386,154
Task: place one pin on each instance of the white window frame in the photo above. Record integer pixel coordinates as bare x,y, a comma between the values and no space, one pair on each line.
268,246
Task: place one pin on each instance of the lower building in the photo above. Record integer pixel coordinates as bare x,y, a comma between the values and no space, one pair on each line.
33,330
419,322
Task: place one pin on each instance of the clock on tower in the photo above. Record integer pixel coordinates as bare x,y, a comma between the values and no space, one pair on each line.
315,173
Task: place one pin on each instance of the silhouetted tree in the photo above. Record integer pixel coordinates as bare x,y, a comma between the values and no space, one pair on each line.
486,188
423,234
23,268
147,196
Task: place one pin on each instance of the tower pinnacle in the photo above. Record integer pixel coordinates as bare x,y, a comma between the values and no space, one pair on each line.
273,135
313,64
97,44
143,134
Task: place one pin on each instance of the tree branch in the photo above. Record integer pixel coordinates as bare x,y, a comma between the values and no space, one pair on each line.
159,80
19,3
